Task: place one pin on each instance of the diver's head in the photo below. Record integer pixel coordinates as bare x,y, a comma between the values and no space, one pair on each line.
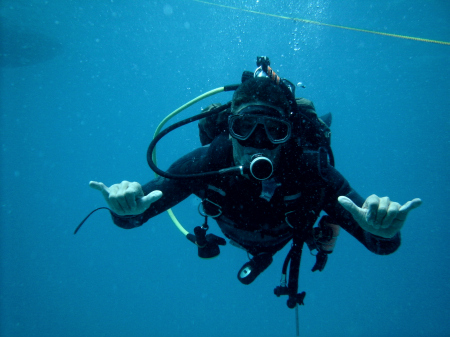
260,89
259,124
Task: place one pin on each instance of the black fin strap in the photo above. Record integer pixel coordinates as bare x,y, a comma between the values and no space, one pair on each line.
84,220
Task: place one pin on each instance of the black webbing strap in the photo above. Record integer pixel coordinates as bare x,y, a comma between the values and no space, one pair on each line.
294,271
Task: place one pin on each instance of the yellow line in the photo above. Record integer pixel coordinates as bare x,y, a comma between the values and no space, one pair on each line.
328,25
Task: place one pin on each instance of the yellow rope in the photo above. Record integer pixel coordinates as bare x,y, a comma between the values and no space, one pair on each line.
328,25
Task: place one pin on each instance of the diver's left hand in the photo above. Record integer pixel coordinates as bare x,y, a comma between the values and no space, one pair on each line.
380,216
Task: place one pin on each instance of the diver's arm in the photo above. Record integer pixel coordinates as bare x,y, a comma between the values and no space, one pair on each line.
340,187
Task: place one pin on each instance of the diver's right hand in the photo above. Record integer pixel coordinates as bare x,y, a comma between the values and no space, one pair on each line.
126,198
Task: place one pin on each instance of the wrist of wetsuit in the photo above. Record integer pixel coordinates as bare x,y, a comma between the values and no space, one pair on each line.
126,221
381,245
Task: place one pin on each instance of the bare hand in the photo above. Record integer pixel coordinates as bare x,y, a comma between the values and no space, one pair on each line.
380,216
126,198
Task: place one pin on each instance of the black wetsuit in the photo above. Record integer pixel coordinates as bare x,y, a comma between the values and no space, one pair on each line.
250,213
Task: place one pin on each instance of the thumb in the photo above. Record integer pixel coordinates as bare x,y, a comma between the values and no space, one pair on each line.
350,206
100,187
149,199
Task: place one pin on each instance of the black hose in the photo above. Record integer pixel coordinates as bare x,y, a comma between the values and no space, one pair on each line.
155,140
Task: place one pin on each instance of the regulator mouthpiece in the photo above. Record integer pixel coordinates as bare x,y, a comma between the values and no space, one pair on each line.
261,167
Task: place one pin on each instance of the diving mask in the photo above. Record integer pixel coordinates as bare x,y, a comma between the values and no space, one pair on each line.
243,124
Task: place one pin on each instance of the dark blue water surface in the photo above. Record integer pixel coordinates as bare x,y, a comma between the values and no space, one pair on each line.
84,85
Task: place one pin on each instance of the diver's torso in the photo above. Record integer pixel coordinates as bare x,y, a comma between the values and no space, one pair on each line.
252,212
255,213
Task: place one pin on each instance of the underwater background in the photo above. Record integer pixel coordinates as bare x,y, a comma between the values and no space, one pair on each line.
84,85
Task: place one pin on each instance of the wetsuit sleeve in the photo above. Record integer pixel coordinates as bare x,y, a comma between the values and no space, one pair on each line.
339,186
174,190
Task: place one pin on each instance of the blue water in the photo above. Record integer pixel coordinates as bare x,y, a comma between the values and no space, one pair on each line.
84,85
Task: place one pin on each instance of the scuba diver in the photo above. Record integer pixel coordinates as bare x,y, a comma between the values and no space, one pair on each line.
265,173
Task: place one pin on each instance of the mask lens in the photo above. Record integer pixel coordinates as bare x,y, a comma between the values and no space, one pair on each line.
243,126
276,130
